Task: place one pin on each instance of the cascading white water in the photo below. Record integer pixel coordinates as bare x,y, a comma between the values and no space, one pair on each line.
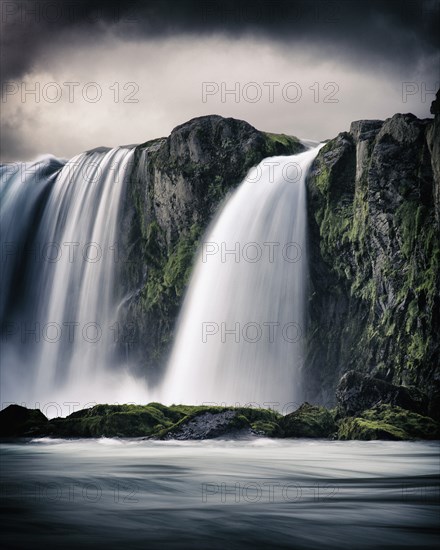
59,259
241,332
240,336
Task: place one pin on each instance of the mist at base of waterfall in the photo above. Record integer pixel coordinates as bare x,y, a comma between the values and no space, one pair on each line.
256,493
60,232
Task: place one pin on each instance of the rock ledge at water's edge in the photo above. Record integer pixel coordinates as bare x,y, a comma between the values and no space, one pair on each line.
180,422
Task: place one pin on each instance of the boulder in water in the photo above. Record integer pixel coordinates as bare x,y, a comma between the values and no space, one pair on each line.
308,421
17,421
388,422
204,423
209,425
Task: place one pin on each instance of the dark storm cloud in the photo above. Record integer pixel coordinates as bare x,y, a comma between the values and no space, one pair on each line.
399,32
369,51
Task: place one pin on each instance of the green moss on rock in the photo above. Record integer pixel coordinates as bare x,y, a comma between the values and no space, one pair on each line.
113,421
375,257
308,421
169,274
366,430
160,422
282,144
388,422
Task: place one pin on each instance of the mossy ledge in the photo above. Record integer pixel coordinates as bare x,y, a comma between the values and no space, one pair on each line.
156,421
388,422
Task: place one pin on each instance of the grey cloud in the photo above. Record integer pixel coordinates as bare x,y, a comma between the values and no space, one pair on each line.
170,47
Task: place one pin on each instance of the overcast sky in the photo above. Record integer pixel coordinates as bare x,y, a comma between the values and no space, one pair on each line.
79,74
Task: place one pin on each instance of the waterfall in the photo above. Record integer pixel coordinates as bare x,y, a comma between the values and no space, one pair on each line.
59,233
240,336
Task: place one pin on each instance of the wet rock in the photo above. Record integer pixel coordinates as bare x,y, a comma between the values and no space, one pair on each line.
374,228
388,422
209,425
357,392
308,421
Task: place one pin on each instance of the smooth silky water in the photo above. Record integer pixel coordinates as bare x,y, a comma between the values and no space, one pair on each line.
258,493
60,258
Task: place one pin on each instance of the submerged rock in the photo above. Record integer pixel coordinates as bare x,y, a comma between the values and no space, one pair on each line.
357,392
308,421
17,421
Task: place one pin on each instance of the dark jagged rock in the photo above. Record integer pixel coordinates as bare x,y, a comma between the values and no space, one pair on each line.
357,392
374,257
17,421
176,187
210,422
209,425
308,421
435,105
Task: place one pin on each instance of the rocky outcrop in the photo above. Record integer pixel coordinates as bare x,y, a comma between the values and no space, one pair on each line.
150,421
375,253
182,422
176,187
209,425
17,421
357,392
388,422
308,421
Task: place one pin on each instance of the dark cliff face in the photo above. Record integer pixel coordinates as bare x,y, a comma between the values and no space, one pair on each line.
375,254
176,187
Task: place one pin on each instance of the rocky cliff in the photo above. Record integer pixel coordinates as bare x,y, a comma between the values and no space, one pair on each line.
374,232
374,219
